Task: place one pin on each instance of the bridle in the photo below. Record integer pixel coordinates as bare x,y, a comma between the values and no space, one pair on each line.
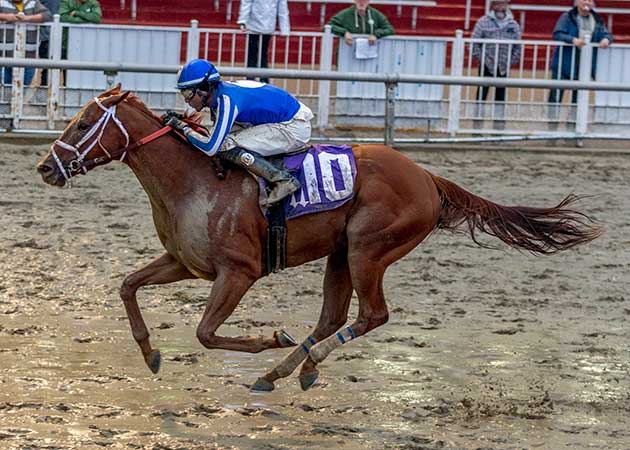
91,138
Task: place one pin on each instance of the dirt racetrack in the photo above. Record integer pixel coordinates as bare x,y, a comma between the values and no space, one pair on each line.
485,349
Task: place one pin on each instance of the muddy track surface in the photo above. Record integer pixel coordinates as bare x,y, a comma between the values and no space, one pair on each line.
485,349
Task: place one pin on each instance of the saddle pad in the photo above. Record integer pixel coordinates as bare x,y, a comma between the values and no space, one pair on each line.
326,174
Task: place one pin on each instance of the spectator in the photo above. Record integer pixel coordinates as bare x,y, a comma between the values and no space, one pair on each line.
15,11
44,38
361,18
259,18
495,60
572,27
77,11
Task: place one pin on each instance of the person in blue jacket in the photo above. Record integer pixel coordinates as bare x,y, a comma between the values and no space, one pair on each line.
270,122
572,27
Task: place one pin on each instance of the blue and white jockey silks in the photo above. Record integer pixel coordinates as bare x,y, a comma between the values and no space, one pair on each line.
272,120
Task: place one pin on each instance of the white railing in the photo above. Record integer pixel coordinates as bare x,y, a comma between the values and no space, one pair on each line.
230,48
455,110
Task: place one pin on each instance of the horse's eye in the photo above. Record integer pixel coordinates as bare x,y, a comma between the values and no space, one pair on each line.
83,126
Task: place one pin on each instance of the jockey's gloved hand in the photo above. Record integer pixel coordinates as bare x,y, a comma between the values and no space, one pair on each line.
170,113
174,122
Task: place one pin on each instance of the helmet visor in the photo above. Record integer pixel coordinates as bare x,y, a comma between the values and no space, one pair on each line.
188,94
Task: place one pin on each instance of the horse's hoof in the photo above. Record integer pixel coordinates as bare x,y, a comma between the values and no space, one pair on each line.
308,380
153,361
284,339
262,385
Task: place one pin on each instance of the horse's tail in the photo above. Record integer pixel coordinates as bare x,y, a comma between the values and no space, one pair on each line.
537,230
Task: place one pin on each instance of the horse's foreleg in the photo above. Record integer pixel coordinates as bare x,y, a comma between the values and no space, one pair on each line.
334,313
163,270
367,279
227,291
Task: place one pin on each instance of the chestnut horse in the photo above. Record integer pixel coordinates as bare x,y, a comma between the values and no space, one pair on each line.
213,229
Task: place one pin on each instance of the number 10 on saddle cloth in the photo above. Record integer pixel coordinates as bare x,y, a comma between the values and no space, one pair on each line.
326,174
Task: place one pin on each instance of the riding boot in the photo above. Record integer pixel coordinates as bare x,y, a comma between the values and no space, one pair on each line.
283,183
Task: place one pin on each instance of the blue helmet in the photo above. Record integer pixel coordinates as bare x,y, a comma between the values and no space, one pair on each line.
195,72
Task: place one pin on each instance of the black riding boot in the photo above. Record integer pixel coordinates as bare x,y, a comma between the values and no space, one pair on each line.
284,183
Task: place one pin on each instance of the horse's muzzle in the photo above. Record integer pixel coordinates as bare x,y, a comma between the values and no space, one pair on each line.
50,173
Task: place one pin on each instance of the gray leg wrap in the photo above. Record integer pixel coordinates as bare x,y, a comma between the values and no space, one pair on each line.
323,349
295,358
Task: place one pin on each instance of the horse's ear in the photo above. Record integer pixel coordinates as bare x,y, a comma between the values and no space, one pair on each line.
113,91
115,99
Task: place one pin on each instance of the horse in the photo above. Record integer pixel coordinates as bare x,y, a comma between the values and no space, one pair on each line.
213,228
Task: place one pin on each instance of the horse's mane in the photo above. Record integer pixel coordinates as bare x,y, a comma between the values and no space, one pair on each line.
135,101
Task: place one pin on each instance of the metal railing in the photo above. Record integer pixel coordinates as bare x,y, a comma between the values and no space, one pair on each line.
304,63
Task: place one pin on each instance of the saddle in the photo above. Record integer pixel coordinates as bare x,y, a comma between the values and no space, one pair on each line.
326,174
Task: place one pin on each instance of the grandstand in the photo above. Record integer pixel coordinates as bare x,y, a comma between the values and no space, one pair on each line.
439,20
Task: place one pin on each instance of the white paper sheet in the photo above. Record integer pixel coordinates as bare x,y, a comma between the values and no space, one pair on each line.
363,49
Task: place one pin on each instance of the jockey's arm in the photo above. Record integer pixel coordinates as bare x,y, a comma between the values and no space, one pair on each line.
226,115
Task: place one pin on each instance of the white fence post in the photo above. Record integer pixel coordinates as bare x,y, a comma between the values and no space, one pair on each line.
455,92
467,16
228,12
52,109
390,112
586,59
323,92
17,73
192,47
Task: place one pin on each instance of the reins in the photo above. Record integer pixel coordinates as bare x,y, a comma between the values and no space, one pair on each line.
91,163
80,163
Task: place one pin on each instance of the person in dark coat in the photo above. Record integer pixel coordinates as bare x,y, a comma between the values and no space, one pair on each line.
572,27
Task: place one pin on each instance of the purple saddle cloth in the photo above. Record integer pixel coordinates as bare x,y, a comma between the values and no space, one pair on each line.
326,174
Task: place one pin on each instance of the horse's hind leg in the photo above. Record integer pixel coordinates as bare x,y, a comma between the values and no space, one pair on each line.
227,291
337,295
367,280
163,270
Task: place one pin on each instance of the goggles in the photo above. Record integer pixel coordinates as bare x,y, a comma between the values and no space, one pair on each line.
188,94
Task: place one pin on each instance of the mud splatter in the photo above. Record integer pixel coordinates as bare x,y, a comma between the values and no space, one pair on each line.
484,349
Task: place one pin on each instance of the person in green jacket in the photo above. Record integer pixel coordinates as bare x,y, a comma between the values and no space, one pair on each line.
77,11
361,18
80,11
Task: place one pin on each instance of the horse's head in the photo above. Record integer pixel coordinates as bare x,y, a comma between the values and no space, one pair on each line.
87,141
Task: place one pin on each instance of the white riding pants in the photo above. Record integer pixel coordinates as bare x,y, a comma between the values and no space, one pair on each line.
274,138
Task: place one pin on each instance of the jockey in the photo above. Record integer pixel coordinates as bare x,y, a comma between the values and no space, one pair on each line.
271,121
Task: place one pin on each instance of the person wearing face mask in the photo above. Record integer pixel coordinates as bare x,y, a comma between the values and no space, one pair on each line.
495,59
572,27
361,18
